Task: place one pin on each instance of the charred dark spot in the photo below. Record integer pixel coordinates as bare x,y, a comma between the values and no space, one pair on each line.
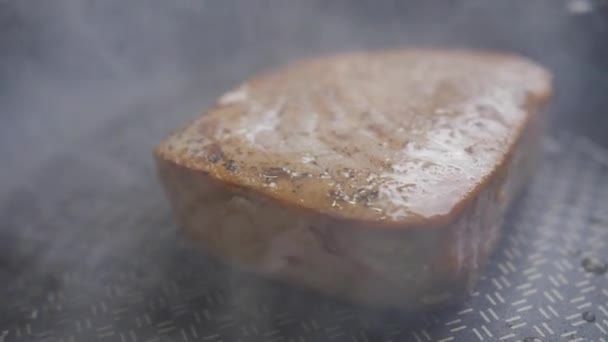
469,150
214,153
230,165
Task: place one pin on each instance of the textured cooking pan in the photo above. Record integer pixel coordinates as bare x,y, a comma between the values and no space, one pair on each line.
88,249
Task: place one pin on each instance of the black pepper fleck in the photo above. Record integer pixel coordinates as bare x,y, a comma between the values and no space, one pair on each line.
215,154
366,195
230,166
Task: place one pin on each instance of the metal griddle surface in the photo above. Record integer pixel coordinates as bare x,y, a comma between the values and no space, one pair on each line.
89,252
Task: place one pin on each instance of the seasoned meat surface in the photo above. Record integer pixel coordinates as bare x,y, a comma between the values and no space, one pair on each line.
397,136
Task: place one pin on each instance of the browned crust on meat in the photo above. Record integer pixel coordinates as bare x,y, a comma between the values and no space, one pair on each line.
221,171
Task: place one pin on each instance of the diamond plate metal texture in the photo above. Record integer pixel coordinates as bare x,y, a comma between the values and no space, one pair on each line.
89,252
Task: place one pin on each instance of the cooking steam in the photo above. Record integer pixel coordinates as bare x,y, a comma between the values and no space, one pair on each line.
129,72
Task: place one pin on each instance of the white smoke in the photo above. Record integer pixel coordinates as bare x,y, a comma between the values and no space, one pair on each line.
71,67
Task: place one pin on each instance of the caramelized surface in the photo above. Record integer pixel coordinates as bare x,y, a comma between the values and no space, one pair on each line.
399,136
